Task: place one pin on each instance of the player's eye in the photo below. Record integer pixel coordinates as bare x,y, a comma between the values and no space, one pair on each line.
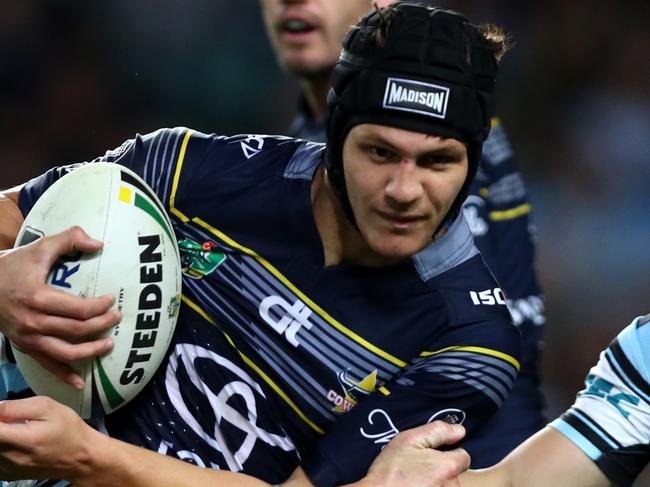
438,160
380,154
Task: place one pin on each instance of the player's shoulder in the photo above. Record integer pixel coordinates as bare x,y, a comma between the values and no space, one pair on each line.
288,156
453,267
498,178
630,348
451,256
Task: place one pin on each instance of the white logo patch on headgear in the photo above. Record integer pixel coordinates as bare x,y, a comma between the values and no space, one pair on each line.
416,96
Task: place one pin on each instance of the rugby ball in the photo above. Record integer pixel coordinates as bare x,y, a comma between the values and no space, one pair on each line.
139,265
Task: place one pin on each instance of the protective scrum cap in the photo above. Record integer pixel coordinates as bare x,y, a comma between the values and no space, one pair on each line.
433,73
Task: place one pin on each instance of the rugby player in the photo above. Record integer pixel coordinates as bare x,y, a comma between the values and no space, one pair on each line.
306,36
348,301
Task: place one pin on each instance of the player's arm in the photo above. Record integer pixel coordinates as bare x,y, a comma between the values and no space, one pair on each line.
547,458
40,438
604,435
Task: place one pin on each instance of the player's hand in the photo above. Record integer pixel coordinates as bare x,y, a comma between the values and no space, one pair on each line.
52,326
41,439
411,459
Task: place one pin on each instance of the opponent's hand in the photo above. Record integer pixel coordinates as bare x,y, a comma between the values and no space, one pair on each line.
411,459
42,439
52,326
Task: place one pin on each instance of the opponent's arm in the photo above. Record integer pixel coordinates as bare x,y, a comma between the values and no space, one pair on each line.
547,458
604,435
40,438
47,323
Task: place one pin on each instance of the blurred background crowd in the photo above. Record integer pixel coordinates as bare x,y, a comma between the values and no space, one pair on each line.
77,78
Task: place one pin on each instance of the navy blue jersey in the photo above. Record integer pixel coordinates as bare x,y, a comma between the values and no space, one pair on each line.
499,214
278,360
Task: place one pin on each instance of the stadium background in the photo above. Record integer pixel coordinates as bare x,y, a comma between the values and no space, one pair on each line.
77,78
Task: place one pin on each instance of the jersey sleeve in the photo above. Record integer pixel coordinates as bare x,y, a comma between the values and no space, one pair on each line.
463,377
610,419
184,167
157,157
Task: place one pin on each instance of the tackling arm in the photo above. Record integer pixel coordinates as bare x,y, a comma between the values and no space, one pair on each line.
40,438
546,458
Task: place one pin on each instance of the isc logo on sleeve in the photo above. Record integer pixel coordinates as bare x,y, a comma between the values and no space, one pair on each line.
488,297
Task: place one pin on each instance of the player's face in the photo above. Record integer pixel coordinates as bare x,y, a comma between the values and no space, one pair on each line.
307,34
401,185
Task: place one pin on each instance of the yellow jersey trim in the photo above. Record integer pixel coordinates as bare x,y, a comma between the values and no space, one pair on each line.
480,350
177,177
510,214
346,331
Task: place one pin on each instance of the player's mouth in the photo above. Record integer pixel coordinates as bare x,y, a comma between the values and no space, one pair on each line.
294,28
401,221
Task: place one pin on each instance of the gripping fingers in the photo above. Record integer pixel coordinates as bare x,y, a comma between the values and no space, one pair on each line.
64,351
78,329
70,240
432,435
60,353
56,302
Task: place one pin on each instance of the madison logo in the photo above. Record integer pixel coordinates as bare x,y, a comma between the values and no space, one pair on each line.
198,260
416,96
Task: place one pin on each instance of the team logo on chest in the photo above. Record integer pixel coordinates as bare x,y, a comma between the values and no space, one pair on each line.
352,390
199,260
285,318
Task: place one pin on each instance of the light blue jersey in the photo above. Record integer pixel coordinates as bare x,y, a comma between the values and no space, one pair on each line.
610,420
11,380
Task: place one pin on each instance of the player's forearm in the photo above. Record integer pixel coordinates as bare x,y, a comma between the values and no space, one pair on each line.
547,458
117,463
497,476
11,218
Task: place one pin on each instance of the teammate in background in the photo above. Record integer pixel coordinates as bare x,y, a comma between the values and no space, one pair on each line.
306,36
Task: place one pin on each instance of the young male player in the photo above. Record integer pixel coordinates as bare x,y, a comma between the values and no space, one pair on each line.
306,36
346,300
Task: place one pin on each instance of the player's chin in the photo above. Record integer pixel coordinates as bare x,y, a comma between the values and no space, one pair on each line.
398,247
304,63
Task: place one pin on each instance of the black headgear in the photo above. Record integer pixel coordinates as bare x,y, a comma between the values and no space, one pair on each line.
433,73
